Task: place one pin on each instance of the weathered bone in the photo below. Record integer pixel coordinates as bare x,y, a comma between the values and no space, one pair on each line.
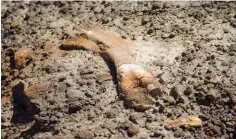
137,86
185,121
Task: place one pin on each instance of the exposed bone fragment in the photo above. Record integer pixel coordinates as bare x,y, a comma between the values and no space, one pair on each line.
137,86
21,56
5,99
186,121
51,48
36,88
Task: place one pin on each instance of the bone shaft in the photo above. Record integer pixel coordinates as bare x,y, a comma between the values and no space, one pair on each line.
119,56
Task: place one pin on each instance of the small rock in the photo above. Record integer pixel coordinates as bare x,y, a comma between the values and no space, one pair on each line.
73,94
74,107
231,94
22,76
179,133
145,20
150,31
59,115
172,35
231,130
89,94
165,35
182,99
97,9
212,94
57,24
154,91
215,128
181,15
233,21
189,90
210,76
70,82
232,47
229,124
62,78
84,134
202,88
176,91
126,18
165,78
232,53
133,130
158,134
234,108
105,20
5,125
210,85
170,100
157,5
15,73
62,87
87,70
134,119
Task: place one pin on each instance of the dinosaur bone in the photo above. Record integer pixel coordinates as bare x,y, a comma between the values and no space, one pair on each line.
137,87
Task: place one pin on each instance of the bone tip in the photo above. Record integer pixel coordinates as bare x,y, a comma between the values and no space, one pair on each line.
87,31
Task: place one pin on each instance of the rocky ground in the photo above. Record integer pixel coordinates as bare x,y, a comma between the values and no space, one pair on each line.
190,47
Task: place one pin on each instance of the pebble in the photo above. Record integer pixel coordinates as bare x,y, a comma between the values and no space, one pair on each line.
84,134
158,134
182,99
230,92
70,82
87,70
164,78
179,133
233,21
176,91
165,35
170,100
97,9
126,18
89,94
150,31
189,90
216,129
57,24
234,108
231,130
22,76
134,119
133,130
229,124
212,94
145,20
73,94
157,5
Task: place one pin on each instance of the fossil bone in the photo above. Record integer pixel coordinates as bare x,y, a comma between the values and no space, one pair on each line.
186,121
137,87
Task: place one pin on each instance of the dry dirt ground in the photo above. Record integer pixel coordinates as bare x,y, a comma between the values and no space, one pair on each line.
190,47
